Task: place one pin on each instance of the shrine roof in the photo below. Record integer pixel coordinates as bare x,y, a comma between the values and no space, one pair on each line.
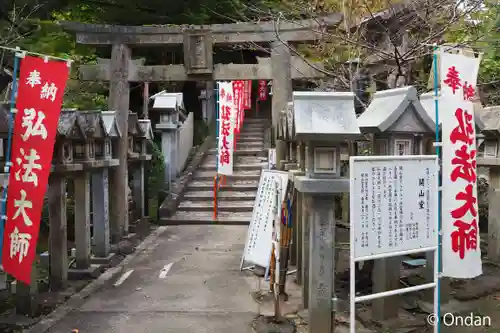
324,116
427,101
491,119
69,126
165,100
110,125
387,107
91,123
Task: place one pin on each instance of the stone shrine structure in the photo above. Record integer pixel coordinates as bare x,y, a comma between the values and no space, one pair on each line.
323,121
400,126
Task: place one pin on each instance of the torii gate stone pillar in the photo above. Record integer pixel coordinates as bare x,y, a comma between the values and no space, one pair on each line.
119,100
282,92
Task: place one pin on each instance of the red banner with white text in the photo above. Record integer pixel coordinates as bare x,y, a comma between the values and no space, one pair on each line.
262,96
238,103
39,100
247,95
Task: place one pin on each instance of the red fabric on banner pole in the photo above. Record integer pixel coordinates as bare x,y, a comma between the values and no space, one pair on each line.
39,101
238,102
247,95
262,95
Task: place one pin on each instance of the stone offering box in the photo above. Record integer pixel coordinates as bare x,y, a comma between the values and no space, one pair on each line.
399,123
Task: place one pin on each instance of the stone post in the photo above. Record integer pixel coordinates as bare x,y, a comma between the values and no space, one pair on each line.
58,250
145,100
494,215
282,92
100,209
119,99
27,295
82,220
322,259
138,189
304,220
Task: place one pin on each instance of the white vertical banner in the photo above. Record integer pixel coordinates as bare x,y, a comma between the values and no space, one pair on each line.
461,253
227,118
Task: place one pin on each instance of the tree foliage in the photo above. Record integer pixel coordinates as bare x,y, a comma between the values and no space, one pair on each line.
481,31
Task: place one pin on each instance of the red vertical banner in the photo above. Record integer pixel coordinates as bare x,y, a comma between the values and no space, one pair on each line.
39,101
262,95
238,102
247,95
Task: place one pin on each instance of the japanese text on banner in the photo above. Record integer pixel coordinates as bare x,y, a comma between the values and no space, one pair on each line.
238,103
247,95
227,115
460,221
39,101
262,90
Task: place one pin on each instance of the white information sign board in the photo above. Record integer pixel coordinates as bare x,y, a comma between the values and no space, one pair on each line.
394,211
393,203
270,195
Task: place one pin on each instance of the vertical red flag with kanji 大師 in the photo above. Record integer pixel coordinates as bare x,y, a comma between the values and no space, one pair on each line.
39,99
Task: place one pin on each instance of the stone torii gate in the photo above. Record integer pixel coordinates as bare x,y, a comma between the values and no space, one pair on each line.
198,42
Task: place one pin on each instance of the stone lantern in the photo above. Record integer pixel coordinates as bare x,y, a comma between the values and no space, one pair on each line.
138,168
324,121
69,150
400,126
489,157
100,189
64,166
112,133
168,106
398,121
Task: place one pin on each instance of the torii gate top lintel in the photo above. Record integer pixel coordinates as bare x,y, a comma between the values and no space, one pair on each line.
232,33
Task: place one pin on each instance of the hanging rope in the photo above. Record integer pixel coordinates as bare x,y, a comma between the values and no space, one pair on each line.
45,56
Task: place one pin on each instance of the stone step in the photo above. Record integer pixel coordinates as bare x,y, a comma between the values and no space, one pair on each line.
243,185
249,151
250,166
252,121
259,139
221,196
238,159
222,206
200,218
250,144
240,175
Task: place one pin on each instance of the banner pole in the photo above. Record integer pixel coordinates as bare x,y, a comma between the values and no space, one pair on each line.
8,163
217,120
437,296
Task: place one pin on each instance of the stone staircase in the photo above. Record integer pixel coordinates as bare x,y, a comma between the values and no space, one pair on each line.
235,198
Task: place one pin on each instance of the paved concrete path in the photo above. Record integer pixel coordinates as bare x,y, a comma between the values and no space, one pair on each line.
188,281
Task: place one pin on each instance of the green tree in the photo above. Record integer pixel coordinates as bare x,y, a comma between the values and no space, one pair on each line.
481,31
